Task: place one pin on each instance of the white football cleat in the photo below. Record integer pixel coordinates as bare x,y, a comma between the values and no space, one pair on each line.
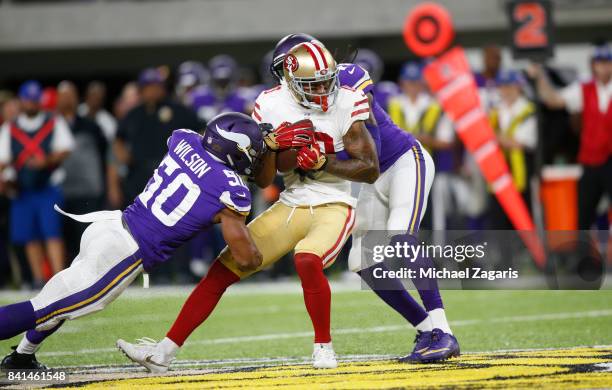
146,353
324,356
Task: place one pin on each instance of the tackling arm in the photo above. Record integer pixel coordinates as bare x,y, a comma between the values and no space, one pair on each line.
372,127
363,163
267,169
371,124
239,241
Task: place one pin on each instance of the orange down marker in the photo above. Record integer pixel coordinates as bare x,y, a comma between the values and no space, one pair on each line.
429,31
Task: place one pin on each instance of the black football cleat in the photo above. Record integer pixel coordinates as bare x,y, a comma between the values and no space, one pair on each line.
21,361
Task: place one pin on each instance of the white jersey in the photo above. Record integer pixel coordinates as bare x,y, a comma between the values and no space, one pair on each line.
277,105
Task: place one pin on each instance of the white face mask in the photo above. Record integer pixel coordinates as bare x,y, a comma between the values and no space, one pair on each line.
318,101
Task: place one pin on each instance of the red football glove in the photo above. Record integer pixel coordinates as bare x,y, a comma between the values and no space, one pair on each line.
291,135
310,158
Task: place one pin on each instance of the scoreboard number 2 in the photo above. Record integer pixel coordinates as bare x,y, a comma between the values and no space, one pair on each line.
532,20
531,28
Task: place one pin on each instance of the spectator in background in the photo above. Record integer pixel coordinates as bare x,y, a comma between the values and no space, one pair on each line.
513,120
129,98
115,172
48,101
5,96
141,144
10,110
417,112
486,80
414,110
93,108
5,268
190,75
34,145
222,95
593,100
84,185
142,134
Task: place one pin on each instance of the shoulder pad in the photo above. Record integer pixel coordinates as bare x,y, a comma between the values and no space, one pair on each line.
354,76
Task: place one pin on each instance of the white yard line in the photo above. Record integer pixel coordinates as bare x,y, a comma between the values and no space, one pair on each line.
135,291
376,329
86,324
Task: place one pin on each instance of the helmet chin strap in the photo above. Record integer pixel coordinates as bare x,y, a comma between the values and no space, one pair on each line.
324,104
322,101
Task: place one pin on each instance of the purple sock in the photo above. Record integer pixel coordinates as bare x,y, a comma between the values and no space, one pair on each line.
15,319
431,299
36,337
427,287
395,295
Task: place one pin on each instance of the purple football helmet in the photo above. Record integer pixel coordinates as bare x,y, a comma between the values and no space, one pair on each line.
222,67
281,49
191,73
237,140
371,62
223,72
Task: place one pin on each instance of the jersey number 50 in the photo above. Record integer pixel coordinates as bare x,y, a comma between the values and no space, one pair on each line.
182,179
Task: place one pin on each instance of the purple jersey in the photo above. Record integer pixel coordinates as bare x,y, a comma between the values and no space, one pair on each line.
394,142
186,192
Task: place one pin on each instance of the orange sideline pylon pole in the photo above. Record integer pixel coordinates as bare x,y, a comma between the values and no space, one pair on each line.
450,78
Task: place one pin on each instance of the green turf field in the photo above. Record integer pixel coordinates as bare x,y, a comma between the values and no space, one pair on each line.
252,324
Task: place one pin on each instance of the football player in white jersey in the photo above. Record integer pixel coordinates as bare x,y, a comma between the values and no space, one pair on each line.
313,118
395,203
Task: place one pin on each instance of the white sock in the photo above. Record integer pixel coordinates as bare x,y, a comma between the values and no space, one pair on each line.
26,346
168,347
425,325
323,345
438,320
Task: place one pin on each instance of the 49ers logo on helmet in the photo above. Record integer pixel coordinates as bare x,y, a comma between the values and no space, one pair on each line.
291,63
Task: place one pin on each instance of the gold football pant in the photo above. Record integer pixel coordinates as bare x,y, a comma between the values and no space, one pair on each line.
321,230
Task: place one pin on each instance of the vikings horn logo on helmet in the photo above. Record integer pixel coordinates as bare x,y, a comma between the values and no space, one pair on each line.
242,140
236,140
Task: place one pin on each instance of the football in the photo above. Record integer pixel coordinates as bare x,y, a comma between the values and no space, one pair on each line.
286,160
